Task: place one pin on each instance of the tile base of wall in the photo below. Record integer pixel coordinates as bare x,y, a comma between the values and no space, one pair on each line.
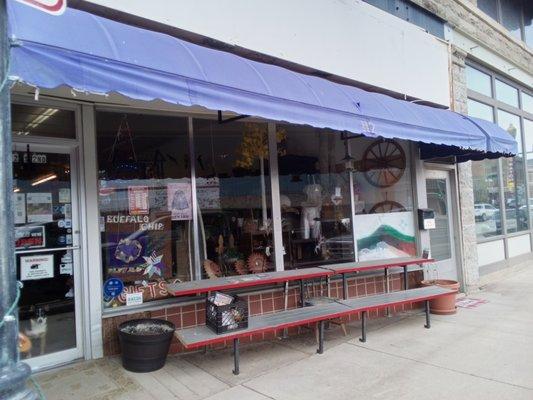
272,301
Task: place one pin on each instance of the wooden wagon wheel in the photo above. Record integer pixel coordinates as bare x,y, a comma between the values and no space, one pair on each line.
383,163
386,206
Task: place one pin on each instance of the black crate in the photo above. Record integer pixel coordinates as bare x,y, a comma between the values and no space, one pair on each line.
227,318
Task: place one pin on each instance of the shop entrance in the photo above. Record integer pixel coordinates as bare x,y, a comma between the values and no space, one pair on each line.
442,243
45,202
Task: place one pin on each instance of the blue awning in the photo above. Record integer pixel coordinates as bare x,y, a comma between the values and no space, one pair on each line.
98,55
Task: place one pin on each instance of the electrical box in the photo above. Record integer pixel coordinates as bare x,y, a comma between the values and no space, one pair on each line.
426,218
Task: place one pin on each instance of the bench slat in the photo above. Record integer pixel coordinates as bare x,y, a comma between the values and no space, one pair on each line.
202,335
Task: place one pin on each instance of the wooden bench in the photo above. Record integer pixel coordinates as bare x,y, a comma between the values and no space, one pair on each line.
200,336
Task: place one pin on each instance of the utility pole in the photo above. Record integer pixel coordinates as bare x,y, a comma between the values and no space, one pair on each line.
13,373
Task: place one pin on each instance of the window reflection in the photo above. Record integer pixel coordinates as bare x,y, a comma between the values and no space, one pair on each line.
514,184
486,181
315,197
478,81
233,194
145,202
506,93
480,110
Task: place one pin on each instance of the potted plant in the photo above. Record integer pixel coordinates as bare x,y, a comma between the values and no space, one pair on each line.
145,343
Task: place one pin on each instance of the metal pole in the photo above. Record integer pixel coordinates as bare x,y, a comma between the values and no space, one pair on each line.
13,374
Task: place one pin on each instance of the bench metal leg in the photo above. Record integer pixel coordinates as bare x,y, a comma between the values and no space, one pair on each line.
405,280
236,356
362,339
320,349
428,322
344,287
302,294
387,289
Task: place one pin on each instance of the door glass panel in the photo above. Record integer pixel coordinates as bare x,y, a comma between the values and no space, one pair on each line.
42,203
437,197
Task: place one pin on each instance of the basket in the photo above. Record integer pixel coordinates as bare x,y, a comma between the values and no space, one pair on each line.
226,318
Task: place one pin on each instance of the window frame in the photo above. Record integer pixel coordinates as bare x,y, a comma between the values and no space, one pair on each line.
522,114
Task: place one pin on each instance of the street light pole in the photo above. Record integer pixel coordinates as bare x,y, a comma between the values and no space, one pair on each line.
13,373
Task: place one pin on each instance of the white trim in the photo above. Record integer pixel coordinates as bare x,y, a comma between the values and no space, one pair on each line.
93,270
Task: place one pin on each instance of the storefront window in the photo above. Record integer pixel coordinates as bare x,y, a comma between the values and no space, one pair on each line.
478,81
315,197
233,194
528,135
514,183
145,204
506,93
487,208
480,110
384,221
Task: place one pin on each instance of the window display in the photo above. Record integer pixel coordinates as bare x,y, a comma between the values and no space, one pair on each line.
383,194
233,195
145,203
315,197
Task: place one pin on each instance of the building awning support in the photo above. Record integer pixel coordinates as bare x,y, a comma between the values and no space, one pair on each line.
92,54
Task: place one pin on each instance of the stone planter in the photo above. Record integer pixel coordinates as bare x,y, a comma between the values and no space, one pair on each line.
444,305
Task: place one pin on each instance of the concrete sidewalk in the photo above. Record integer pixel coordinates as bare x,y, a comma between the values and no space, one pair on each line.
484,353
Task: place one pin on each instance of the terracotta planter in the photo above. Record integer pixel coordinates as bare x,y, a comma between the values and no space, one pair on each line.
444,305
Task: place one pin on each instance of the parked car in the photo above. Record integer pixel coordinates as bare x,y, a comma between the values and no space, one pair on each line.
484,211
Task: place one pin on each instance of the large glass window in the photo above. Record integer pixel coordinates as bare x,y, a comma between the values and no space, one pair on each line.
32,121
514,183
487,207
506,93
233,193
490,7
512,16
315,196
384,221
478,81
527,103
500,186
528,135
145,203
480,110
515,15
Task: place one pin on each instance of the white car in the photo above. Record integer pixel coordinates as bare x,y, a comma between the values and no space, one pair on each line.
484,211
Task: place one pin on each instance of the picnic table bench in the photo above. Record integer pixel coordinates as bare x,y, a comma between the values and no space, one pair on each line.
199,336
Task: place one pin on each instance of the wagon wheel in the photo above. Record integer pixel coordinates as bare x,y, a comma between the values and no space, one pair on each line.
386,206
383,163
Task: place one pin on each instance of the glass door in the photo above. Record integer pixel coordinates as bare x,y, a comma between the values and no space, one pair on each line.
45,202
442,245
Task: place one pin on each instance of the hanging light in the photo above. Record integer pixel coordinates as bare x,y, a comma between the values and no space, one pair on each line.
348,161
16,190
44,179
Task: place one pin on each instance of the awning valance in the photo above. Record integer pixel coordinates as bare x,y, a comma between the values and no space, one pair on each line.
98,55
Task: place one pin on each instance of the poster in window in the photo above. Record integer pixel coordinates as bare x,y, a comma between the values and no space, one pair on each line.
39,207
19,207
179,200
29,237
36,267
208,193
138,247
138,200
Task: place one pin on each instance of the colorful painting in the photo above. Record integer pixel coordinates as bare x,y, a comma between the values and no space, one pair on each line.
385,235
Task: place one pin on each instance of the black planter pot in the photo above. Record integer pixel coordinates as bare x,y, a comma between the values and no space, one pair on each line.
145,343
